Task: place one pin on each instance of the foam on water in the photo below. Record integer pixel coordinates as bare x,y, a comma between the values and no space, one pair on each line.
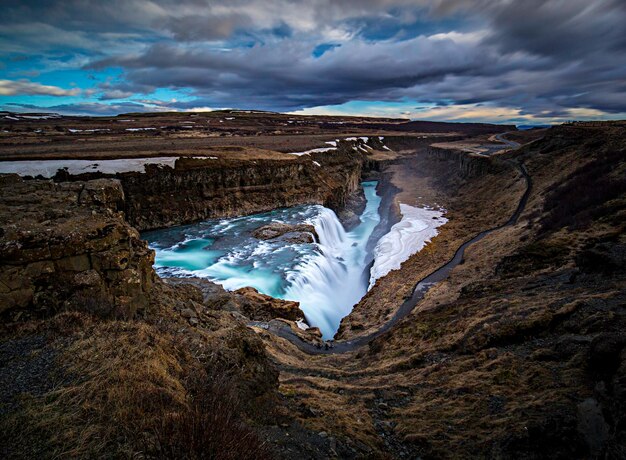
327,278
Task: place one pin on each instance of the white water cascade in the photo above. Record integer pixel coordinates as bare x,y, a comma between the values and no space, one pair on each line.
328,284
328,278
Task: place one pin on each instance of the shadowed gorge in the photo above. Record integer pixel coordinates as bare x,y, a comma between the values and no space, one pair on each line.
462,294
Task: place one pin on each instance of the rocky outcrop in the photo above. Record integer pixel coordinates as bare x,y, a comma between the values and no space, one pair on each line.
261,307
301,233
196,189
246,301
67,246
469,165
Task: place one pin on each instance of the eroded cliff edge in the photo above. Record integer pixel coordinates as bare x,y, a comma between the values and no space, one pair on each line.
105,348
207,187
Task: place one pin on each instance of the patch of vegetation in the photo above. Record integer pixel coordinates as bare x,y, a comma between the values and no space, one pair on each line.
535,256
131,391
210,428
586,194
604,255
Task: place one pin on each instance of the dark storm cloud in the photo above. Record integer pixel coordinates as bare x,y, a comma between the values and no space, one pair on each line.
540,56
287,76
192,28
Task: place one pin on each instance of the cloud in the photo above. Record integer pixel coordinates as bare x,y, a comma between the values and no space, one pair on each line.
21,87
528,58
115,94
285,75
193,27
84,108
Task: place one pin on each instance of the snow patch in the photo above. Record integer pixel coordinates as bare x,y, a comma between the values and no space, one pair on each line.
45,116
409,236
319,150
74,130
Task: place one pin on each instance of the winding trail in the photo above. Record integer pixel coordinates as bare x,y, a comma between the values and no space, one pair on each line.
283,330
512,144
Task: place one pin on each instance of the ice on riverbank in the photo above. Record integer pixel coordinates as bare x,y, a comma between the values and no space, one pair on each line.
417,227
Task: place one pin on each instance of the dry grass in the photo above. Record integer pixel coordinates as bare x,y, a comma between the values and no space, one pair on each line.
133,390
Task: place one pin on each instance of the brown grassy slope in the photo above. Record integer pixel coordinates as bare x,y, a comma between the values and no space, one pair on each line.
156,387
520,353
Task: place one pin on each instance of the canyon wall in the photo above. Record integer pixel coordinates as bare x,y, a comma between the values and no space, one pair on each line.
200,189
468,165
65,245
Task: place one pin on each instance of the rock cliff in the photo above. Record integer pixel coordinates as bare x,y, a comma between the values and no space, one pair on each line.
201,189
65,245
467,164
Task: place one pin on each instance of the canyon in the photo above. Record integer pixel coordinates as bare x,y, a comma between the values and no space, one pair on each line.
518,349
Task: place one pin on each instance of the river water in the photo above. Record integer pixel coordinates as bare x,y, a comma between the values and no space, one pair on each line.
327,278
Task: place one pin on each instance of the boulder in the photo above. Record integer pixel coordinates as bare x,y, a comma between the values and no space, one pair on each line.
299,233
261,307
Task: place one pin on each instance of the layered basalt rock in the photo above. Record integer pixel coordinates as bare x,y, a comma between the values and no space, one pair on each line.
200,189
467,164
66,245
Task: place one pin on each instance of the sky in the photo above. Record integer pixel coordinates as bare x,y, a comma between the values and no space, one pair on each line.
502,61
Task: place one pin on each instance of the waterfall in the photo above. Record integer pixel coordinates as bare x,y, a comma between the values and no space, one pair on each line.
327,283
329,229
327,277
330,282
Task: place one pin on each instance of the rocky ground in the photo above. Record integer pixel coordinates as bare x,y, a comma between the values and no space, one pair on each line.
518,354
24,136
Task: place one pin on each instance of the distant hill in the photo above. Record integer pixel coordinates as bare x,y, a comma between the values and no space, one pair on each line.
420,126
